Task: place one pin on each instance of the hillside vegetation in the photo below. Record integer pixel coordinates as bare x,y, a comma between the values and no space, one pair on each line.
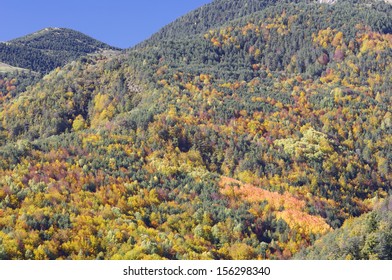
366,237
49,48
251,139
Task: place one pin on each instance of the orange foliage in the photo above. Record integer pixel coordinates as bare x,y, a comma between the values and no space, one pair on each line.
286,206
252,193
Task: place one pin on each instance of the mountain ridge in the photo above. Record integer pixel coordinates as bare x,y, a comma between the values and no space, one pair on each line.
196,22
48,48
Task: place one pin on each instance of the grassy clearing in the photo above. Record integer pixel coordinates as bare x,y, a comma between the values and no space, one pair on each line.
5,68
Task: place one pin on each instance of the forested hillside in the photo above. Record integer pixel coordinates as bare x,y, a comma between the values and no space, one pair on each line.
49,48
24,61
366,237
215,14
267,129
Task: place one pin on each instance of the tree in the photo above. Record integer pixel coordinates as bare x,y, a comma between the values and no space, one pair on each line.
79,123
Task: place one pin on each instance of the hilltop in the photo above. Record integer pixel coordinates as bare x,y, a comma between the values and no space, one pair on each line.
44,50
214,14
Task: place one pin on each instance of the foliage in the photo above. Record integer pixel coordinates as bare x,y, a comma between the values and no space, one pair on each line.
49,48
249,139
366,237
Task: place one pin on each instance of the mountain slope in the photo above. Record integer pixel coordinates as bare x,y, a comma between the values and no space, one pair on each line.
5,68
249,140
49,48
366,237
212,15
85,88
220,12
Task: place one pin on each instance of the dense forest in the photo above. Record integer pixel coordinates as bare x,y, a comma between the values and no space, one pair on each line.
243,130
49,48
367,237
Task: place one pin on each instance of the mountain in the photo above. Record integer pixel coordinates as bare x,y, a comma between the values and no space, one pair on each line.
220,12
261,133
212,15
49,48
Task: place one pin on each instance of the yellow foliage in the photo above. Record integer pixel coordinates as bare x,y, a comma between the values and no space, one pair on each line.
325,37
100,102
338,39
303,222
246,177
79,123
241,251
174,161
313,144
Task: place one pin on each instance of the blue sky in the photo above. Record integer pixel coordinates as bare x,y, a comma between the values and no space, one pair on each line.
121,23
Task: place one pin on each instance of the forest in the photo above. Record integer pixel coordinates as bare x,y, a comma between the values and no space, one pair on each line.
49,48
260,132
